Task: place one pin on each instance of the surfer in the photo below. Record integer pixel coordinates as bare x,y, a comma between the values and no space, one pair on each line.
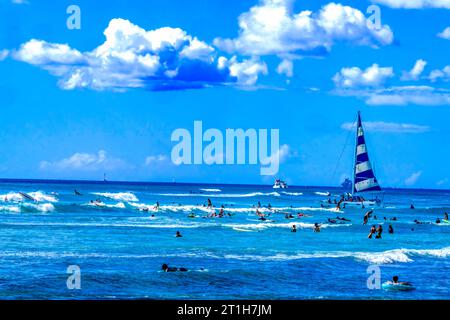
178,234
209,203
445,216
331,220
156,207
343,219
77,193
412,206
294,228
166,268
395,281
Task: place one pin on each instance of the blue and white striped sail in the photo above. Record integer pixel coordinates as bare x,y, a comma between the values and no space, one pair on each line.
364,177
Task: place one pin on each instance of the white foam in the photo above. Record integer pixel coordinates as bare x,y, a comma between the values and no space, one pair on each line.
41,207
211,190
292,193
322,193
36,195
120,196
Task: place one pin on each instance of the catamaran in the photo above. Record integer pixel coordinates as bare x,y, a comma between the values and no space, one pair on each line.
280,184
366,191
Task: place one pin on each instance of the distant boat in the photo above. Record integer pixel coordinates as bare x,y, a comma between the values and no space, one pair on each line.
280,184
365,189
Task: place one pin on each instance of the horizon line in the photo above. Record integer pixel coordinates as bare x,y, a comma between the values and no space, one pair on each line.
87,181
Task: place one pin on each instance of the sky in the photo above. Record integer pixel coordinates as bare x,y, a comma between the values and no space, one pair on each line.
105,98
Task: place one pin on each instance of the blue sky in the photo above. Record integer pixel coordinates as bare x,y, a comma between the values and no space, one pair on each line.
77,103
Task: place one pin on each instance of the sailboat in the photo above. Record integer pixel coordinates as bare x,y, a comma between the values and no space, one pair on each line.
366,191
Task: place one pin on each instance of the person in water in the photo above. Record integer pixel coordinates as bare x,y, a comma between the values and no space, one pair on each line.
166,268
445,216
156,207
372,232
379,231
391,229
367,216
209,203
178,234
77,193
395,281
438,220
294,228
316,227
412,206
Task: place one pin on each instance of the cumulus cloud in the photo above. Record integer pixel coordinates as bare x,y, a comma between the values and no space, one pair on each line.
373,76
415,72
131,57
414,4
388,127
286,67
412,179
84,161
442,75
271,27
445,34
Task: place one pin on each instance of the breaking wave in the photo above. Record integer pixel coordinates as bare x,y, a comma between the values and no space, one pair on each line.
119,196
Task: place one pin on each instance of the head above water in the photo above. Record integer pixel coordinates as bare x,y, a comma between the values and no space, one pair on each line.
164,267
395,279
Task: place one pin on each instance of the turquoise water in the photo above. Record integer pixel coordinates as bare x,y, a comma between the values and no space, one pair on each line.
120,248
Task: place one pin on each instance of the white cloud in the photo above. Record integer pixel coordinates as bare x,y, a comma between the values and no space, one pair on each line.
414,4
131,57
415,72
412,179
401,96
373,76
286,67
445,34
438,74
442,182
84,161
4,54
155,159
389,127
246,72
271,27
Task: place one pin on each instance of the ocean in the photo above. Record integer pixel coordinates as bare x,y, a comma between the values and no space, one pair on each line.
120,243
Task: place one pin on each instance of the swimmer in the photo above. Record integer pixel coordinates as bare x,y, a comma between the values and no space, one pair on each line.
178,234
166,268
445,216
412,206
331,221
380,231
77,193
372,232
316,227
391,229
438,220
209,203
294,228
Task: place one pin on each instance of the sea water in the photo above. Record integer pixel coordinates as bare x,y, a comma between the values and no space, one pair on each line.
119,247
